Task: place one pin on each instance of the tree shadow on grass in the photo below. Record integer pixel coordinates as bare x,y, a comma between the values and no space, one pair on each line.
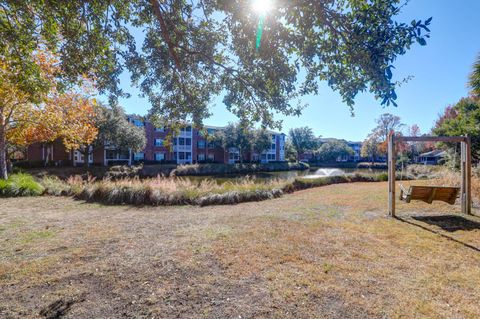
448,223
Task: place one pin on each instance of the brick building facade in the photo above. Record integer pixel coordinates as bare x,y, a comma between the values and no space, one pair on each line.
188,146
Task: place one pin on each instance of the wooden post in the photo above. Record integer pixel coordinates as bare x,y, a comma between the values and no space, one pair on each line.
468,175
391,174
463,177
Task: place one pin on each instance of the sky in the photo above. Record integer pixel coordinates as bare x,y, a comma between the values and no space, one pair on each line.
440,72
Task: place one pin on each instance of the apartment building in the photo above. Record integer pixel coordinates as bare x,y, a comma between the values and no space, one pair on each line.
188,146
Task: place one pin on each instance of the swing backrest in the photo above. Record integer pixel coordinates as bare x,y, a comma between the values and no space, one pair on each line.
429,194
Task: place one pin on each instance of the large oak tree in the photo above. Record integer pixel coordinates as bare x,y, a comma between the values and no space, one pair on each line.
192,51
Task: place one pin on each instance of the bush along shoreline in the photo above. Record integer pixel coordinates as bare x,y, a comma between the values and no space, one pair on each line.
246,168
163,191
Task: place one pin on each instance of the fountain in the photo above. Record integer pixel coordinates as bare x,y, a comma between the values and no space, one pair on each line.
325,172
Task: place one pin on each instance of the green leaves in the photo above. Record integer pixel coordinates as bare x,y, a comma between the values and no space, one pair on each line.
422,41
114,128
303,139
191,52
333,149
474,80
461,119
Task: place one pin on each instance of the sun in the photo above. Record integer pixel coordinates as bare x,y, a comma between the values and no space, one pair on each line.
262,6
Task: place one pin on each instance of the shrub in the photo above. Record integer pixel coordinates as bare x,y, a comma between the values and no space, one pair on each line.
382,177
20,185
122,171
376,165
55,186
235,197
41,163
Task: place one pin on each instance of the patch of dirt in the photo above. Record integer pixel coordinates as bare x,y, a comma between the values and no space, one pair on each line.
59,308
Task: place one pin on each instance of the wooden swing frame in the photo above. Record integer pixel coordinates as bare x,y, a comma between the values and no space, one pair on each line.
465,165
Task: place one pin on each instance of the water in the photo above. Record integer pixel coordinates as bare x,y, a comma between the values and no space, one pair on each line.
326,172
262,177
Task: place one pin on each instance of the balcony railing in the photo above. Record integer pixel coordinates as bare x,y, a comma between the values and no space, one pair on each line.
182,148
185,134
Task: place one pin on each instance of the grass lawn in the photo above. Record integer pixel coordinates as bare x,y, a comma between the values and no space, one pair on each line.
327,252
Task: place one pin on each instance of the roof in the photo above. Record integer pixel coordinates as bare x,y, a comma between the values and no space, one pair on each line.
329,139
434,153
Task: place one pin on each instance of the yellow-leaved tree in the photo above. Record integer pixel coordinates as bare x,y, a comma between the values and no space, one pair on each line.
33,110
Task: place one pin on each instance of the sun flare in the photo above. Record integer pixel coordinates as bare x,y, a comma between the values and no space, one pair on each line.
262,6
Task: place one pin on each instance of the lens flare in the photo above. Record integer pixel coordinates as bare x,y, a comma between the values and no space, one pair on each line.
262,6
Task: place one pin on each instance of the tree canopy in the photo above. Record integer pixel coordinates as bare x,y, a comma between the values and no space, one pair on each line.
192,51
302,139
461,119
114,129
388,123
370,146
43,114
243,138
474,80
331,150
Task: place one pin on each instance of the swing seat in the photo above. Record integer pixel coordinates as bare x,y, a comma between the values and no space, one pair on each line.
428,194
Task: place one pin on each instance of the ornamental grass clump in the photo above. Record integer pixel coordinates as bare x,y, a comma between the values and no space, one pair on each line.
55,186
182,191
177,191
20,185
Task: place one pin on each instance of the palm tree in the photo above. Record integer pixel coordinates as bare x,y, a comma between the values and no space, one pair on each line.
474,81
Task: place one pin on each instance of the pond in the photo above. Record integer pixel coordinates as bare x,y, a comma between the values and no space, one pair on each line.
262,177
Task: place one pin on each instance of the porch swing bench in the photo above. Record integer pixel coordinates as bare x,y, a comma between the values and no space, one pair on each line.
428,194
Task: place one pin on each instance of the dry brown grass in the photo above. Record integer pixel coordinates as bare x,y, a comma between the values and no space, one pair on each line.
327,252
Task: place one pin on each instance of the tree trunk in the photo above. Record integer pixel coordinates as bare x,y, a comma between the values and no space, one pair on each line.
3,149
86,155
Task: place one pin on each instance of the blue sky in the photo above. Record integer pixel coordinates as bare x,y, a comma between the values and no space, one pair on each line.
440,71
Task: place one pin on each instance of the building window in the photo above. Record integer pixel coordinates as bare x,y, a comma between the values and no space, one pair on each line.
211,157
158,142
139,156
188,129
211,145
234,156
271,157
201,144
159,157
115,155
181,141
188,141
123,155
111,154
188,156
274,146
201,157
181,155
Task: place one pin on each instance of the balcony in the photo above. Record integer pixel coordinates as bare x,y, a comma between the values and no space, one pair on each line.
185,134
182,148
